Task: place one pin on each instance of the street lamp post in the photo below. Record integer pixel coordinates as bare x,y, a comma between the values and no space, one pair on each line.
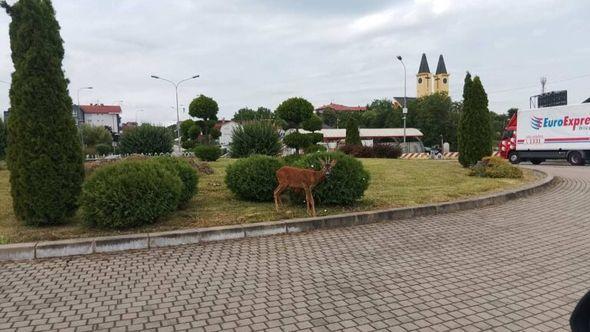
80,89
405,109
176,84
80,109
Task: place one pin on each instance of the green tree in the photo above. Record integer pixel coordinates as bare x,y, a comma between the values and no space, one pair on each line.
244,114
453,124
146,139
247,114
294,111
93,136
205,109
298,141
313,123
498,123
189,132
44,154
352,133
2,139
511,112
474,125
329,118
432,117
368,119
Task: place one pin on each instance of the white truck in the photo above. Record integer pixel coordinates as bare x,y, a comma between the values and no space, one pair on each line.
536,135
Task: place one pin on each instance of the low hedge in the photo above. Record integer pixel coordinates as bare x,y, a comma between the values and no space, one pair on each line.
376,151
389,151
253,178
346,183
495,167
129,193
208,152
185,172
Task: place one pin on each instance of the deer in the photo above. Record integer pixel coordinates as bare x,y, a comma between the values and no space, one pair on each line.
302,178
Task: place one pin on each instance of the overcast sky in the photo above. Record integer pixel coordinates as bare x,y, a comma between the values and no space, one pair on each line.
260,52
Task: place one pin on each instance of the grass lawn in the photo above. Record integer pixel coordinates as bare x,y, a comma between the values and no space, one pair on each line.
394,183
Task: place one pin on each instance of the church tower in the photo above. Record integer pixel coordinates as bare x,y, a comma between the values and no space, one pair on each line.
424,83
441,78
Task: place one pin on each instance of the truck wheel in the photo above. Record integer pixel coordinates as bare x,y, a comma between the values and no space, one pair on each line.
513,157
575,158
537,161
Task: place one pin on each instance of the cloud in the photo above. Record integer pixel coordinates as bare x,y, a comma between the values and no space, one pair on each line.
259,52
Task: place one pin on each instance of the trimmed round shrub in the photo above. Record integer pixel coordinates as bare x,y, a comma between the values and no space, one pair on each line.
346,183
495,167
258,137
208,152
104,149
129,194
297,140
253,178
315,138
185,172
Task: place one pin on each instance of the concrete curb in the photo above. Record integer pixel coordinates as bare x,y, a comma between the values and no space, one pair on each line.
28,251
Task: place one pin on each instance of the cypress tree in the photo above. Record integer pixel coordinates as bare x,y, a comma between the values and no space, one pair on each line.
2,139
353,136
44,154
474,136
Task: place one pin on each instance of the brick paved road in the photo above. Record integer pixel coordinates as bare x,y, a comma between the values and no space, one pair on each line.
516,267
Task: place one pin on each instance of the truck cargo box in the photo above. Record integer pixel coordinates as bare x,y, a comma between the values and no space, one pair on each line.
554,128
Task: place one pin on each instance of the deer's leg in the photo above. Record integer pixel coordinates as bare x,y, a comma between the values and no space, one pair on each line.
308,201
312,203
277,196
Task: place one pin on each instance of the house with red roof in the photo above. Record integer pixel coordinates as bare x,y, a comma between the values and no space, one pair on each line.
100,115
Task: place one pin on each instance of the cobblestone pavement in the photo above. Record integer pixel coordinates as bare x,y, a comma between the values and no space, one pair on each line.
520,266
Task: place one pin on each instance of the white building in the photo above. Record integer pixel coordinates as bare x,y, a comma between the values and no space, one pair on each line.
369,136
227,130
99,115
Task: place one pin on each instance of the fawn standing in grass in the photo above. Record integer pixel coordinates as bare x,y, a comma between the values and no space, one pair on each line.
301,178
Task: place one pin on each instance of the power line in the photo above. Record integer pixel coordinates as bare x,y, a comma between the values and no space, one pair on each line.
536,85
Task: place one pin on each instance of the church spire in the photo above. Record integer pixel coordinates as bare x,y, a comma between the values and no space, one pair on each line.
424,65
440,68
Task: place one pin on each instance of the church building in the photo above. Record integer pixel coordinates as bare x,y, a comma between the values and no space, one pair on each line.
427,83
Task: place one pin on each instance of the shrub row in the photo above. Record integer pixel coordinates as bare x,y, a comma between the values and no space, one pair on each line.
376,151
254,178
136,192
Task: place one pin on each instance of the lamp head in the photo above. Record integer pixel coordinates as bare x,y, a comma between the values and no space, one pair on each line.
156,77
399,57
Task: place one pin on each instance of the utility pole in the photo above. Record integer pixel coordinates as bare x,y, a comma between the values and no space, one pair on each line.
405,109
176,84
